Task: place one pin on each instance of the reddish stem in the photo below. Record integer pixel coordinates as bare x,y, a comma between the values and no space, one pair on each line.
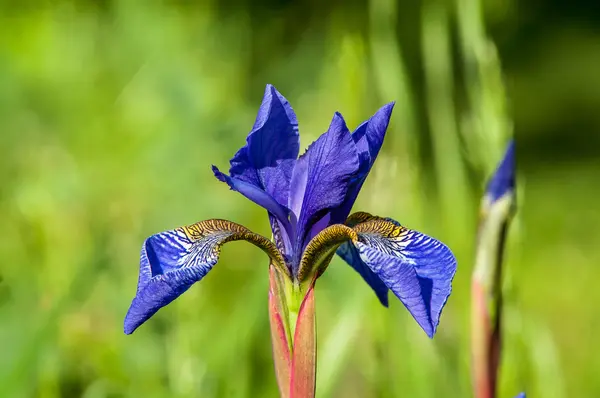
304,356
279,341
485,344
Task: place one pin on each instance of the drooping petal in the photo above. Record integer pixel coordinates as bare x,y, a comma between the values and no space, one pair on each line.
322,176
349,253
503,179
172,261
338,239
416,268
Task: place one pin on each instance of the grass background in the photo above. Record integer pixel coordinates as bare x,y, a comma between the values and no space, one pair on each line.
111,113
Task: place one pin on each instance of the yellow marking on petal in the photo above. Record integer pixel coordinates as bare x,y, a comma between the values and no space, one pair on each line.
321,248
357,218
204,229
381,226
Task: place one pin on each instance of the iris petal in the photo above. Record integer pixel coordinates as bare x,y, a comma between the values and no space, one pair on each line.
255,194
262,169
369,135
368,138
416,268
349,253
271,149
322,176
172,261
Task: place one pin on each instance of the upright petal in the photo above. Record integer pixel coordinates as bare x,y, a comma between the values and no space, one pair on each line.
172,261
368,138
417,268
322,176
369,135
262,169
271,149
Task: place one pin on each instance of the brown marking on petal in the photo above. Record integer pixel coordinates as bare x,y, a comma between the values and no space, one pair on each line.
357,218
206,228
321,248
380,226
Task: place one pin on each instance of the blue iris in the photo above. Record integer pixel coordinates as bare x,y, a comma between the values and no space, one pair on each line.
304,196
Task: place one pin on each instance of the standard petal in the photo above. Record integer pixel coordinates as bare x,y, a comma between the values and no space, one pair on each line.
369,135
416,268
322,177
349,253
174,260
271,149
368,138
503,180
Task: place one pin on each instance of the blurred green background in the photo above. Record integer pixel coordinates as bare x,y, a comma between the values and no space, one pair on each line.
111,113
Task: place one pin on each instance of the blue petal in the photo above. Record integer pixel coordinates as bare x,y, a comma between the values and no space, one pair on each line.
168,267
271,149
322,176
521,395
350,254
416,268
257,195
172,261
368,138
265,163
369,135
503,179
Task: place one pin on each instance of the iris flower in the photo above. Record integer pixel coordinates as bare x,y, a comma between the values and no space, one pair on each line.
308,201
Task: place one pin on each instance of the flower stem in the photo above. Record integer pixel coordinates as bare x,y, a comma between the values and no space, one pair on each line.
304,356
293,333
